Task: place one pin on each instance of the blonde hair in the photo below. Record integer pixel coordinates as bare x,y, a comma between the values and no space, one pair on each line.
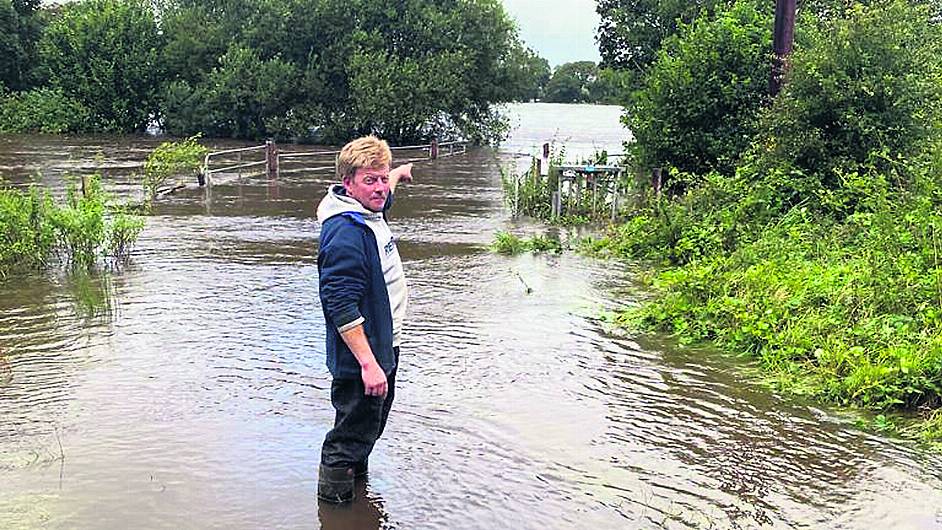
366,152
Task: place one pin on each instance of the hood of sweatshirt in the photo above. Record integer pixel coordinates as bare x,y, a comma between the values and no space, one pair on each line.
337,202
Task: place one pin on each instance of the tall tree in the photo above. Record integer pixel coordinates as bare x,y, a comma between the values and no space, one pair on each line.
105,54
408,70
20,28
526,74
698,108
630,31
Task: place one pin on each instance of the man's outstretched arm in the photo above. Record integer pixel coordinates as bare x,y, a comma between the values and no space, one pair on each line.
402,173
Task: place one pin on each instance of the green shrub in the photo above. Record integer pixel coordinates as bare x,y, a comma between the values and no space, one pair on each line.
42,110
862,93
531,194
698,107
244,91
80,223
544,244
819,255
105,54
528,194
26,238
507,243
847,312
172,159
34,229
122,232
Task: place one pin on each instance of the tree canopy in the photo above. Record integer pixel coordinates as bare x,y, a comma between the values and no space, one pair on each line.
105,54
20,27
322,70
630,31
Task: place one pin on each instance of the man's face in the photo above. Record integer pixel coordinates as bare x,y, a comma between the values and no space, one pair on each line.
369,186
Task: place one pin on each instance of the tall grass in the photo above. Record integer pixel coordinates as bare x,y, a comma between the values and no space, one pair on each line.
35,231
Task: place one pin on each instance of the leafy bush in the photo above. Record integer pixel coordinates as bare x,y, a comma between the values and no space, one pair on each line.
327,70
122,233
528,194
819,254
507,243
698,107
80,223
848,312
42,110
531,194
20,26
240,95
171,159
862,93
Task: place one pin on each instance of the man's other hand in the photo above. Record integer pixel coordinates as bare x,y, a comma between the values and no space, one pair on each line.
374,380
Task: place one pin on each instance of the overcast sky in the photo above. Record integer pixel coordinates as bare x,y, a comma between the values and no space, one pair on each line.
561,31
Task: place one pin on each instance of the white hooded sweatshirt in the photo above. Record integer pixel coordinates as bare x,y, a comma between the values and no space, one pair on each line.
336,202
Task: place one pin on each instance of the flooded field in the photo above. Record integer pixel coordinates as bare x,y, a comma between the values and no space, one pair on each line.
188,388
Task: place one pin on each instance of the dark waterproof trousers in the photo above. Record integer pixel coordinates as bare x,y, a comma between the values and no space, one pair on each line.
359,422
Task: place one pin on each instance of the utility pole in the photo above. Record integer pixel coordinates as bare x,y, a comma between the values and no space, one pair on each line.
782,42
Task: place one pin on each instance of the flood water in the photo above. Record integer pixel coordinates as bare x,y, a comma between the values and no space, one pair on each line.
188,388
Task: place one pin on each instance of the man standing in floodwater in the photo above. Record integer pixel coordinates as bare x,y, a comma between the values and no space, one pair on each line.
364,295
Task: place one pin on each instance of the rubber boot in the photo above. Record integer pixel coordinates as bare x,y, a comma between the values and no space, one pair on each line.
362,469
335,484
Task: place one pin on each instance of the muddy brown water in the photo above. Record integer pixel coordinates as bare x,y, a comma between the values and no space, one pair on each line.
188,389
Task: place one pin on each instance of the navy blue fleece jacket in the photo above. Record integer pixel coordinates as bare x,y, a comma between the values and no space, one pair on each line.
353,291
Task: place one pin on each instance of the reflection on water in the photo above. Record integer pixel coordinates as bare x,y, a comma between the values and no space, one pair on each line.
366,512
92,295
188,389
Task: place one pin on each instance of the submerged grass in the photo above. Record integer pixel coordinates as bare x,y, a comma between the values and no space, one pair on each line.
35,230
507,243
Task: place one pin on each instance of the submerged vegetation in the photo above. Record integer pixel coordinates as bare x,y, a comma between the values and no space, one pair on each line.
817,250
36,230
507,243
171,160
581,201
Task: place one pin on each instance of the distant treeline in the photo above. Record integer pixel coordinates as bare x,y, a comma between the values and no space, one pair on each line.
581,82
319,70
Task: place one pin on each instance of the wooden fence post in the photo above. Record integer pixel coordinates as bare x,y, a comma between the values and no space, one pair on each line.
433,149
545,160
615,195
782,41
271,159
204,171
85,186
656,180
